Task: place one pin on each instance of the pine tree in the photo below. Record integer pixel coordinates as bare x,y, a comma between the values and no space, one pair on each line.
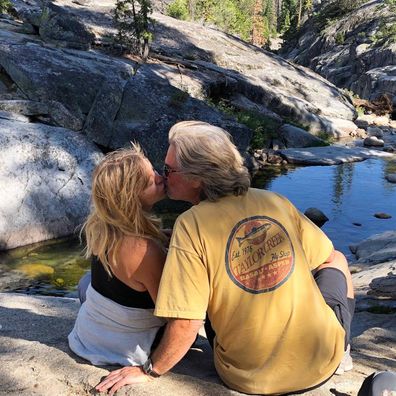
258,24
132,21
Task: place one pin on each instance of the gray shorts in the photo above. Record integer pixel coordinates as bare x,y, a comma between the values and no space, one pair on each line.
333,286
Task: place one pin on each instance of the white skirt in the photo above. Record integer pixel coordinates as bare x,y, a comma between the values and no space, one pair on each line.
109,333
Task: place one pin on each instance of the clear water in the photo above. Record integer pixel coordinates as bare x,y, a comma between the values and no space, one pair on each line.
347,194
51,268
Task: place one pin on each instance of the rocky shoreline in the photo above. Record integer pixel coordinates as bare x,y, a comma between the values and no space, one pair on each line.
36,360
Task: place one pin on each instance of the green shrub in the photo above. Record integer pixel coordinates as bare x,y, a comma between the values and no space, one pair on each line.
340,38
360,111
5,6
327,139
178,9
386,33
264,128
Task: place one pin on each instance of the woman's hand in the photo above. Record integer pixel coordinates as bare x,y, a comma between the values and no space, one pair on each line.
124,376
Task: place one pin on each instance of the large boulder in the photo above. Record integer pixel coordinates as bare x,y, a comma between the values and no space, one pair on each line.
45,178
62,28
293,136
112,99
264,78
356,51
193,59
376,249
72,78
147,118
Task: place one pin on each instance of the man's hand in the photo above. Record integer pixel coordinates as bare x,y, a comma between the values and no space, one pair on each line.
125,376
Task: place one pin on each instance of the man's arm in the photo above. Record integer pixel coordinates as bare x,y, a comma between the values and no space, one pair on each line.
177,339
337,260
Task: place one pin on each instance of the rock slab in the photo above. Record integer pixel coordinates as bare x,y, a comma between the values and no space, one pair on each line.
45,179
33,335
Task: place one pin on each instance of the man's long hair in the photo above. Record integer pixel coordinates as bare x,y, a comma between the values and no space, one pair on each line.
206,153
116,211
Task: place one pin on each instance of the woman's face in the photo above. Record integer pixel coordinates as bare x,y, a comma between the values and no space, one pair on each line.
155,190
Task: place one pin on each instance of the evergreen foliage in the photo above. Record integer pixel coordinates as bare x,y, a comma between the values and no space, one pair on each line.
255,21
5,6
335,9
132,21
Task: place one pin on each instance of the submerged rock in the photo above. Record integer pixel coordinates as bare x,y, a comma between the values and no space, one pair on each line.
382,215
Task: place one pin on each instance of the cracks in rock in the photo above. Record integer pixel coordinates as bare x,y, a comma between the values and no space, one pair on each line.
66,183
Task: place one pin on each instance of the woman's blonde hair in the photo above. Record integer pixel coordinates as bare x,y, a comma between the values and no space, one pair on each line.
206,153
117,184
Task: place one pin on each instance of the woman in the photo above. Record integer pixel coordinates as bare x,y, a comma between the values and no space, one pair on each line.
115,325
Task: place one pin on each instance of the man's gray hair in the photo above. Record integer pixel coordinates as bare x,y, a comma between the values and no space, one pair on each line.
206,153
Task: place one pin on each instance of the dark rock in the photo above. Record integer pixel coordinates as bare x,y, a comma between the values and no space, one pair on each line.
381,215
316,216
64,29
384,286
373,141
297,137
391,177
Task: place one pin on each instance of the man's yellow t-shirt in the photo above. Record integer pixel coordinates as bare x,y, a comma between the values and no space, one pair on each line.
247,261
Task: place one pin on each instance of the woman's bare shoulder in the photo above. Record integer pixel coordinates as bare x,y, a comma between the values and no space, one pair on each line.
136,250
140,262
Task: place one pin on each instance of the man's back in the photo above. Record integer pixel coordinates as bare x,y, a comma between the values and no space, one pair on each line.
248,261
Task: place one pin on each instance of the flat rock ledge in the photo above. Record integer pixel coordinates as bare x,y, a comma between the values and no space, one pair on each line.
330,155
35,358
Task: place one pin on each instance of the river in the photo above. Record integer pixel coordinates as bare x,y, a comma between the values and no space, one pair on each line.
348,194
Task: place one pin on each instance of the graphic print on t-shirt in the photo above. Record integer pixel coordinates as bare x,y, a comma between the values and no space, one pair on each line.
259,256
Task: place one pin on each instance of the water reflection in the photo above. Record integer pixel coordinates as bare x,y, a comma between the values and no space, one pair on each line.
343,176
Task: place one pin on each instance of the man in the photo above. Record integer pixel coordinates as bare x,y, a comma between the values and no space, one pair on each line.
279,298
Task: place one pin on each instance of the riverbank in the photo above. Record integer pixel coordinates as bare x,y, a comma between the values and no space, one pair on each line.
35,358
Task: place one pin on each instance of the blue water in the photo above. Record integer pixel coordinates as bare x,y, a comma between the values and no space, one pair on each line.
347,194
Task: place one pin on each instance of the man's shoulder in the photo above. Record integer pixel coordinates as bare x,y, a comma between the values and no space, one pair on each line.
267,194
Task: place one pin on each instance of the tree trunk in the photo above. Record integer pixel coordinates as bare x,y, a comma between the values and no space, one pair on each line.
258,28
299,14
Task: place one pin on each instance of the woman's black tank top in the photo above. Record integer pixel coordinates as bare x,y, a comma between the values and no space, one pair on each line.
112,288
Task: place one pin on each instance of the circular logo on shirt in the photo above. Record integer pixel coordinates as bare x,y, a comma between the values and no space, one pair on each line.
259,256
